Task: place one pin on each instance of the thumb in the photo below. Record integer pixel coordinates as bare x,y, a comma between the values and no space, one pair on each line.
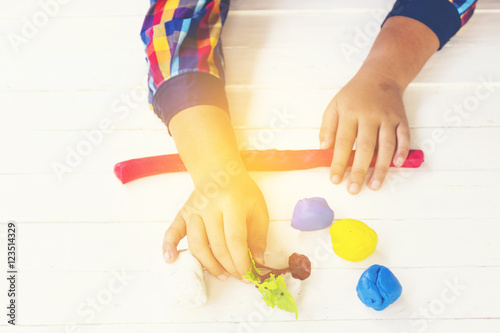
329,125
257,235
173,236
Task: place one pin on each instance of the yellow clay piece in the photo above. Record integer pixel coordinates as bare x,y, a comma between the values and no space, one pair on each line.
352,239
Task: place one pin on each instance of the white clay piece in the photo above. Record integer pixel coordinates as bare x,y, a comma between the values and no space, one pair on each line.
181,284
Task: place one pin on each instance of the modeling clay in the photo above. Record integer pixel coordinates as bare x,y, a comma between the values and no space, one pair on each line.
181,284
378,287
352,239
272,285
298,264
255,160
312,214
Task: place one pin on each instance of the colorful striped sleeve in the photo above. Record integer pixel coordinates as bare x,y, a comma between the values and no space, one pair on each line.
184,54
444,17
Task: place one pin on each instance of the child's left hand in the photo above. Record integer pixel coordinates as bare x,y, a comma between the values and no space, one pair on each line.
370,110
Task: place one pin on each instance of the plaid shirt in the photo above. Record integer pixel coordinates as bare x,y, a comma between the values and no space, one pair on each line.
184,50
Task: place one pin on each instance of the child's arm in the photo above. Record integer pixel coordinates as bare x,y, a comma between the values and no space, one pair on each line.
227,210
226,214
369,109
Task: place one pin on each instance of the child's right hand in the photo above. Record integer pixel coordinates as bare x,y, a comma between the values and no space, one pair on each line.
226,214
221,226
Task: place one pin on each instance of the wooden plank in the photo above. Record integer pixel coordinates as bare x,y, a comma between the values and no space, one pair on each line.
320,4
354,326
99,150
345,29
316,67
84,247
102,198
328,67
354,29
115,8
467,105
77,110
133,298
120,33
61,8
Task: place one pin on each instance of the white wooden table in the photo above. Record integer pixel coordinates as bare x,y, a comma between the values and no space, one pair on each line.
87,243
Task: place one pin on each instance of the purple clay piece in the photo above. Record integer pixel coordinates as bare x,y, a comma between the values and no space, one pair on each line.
312,214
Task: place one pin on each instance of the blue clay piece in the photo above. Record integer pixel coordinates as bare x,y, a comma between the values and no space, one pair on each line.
312,214
378,287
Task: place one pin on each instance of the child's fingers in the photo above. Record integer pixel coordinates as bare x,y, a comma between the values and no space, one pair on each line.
365,148
386,147
173,236
329,126
215,233
403,143
198,244
344,141
235,230
258,225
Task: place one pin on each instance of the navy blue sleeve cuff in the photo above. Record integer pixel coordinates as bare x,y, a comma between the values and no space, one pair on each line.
187,90
441,16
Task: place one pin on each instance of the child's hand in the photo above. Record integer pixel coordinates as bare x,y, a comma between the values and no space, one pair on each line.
370,107
370,110
221,226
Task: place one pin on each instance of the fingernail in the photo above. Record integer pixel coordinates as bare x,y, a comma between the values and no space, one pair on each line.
223,277
336,179
323,145
400,161
354,188
375,184
166,256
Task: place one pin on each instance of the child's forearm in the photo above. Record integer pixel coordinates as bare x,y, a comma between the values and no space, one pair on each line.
234,217
206,142
400,51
